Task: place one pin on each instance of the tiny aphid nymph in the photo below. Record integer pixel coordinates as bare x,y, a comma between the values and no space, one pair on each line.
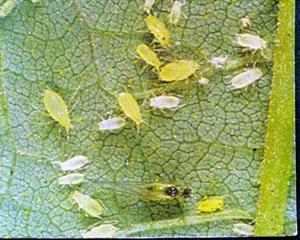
203,81
148,5
210,204
130,108
88,204
112,124
71,179
158,29
165,102
246,22
243,229
178,70
148,55
101,231
250,41
57,109
245,78
73,163
175,11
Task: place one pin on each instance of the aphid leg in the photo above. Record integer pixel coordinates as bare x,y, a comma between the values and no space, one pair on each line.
73,96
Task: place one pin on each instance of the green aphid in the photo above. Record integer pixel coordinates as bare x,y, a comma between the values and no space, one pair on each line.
158,29
210,204
148,55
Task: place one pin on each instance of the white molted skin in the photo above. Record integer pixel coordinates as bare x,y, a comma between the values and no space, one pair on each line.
72,178
73,163
112,124
243,229
175,12
218,62
245,78
102,231
251,41
164,102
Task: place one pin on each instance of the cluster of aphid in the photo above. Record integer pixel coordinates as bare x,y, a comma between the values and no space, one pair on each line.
168,72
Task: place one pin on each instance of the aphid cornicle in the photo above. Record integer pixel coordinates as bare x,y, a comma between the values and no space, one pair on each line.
175,11
243,229
130,108
210,204
148,5
245,78
101,231
88,204
178,70
158,29
70,179
251,41
165,102
148,55
73,163
57,108
112,124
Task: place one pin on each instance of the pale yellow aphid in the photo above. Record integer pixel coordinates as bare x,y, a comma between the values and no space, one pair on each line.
178,70
70,179
251,41
57,109
210,204
101,231
88,204
175,11
148,55
158,29
130,108
148,5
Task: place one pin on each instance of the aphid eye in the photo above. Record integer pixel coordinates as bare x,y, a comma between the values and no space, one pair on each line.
172,191
186,192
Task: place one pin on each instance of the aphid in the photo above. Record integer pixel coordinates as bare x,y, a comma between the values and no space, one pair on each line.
112,124
178,70
70,179
175,11
251,41
210,204
165,102
101,231
243,229
203,81
57,108
130,108
219,62
88,204
246,22
73,163
148,5
245,78
158,29
148,55
7,7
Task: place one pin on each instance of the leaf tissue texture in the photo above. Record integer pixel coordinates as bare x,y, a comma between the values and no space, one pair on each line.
85,51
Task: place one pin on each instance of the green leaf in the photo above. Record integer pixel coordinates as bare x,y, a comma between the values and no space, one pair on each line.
214,144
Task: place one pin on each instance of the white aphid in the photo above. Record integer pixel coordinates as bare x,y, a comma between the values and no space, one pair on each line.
203,81
88,204
101,231
175,11
246,22
72,178
245,78
243,229
73,163
251,41
148,5
165,102
219,62
112,124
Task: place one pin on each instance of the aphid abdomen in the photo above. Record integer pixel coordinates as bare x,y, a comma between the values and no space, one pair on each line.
158,29
178,70
251,41
130,107
88,204
245,78
57,108
112,124
70,179
164,102
148,55
73,163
